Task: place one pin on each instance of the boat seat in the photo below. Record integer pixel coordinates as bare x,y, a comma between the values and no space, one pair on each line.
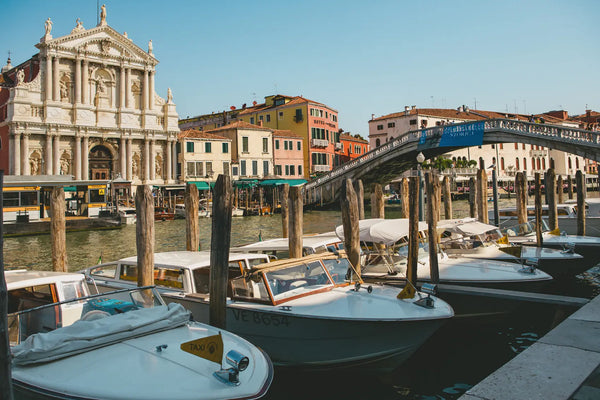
298,283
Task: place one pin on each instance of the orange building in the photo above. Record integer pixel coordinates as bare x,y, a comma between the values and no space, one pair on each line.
350,147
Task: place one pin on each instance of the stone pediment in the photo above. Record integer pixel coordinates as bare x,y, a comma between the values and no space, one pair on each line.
102,41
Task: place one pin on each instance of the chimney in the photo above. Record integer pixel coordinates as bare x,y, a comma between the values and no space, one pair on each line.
372,117
406,110
260,123
413,107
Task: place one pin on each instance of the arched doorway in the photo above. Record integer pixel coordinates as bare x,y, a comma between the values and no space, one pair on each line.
100,163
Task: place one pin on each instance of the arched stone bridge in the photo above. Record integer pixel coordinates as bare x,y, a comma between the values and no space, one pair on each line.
387,162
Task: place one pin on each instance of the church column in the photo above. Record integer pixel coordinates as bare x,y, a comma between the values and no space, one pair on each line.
55,81
146,159
56,155
127,87
77,82
122,87
48,154
84,83
168,160
152,160
25,154
145,91
17,153
85,166
48,77
129,159
77,156
11,156
151,94
122,159
174,161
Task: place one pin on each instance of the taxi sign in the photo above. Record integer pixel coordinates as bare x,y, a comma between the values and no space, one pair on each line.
210,348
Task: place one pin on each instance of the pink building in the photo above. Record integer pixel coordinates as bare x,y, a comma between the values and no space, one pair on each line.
288,155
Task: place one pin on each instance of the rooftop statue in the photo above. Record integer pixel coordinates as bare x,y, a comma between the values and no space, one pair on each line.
48,26
103,15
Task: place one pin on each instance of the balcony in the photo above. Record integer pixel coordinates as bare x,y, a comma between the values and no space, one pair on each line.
338,146
320,168
538,153
319,143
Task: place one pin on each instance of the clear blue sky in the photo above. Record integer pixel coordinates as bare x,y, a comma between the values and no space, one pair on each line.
359,57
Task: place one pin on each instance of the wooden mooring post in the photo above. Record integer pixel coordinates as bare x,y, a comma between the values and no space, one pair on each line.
447,195
495,199
144,235
570,187
413,231
472,193
377,205
58,229
482,208
6,391
559,188
404,198
433,202
538,209
296,221
360,198
285,212
219,251
521,198
580,182
350,218
550,187
192,225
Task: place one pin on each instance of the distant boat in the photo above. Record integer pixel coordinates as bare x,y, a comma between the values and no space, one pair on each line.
163,214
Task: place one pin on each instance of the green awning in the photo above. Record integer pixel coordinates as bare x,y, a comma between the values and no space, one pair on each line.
70,188
276,182
201,185
245,183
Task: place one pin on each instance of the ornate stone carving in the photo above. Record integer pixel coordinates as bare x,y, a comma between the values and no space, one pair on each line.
158,166
150,46
169,96
135,165
35,163
102,15
105,46
48,26
65,164
78,27
20,76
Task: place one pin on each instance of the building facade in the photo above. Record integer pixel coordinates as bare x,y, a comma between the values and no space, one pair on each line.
288,155
349,148
509,158
203,156
251,149
85,105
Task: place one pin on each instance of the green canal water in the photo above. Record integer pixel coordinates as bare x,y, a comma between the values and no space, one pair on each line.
454,359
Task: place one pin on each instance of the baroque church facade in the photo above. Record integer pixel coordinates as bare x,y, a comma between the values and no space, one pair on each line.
85,106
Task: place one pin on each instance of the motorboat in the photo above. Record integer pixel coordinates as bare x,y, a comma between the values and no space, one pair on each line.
131,343
278,248
566,214
163,214
204,211
304,312
470,238
587,246
384,257
127,215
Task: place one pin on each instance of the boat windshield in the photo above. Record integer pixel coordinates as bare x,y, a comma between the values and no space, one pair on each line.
287,282
526,228
49,317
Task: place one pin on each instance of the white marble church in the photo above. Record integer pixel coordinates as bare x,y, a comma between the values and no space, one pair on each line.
85,106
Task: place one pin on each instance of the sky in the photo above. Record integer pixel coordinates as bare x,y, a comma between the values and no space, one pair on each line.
361,58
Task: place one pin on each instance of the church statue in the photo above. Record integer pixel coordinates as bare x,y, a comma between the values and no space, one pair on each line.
20,76
169,96
103,15
48,26
150,47
158,167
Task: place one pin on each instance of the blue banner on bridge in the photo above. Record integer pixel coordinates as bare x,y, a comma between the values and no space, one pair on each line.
463,135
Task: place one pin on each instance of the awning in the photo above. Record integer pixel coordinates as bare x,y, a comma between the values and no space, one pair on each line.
201,185
245,183
275,182
70,188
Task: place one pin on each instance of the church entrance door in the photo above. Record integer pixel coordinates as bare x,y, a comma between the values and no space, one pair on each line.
100,163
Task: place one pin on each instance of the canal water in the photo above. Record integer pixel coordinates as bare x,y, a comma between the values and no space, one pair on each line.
454,359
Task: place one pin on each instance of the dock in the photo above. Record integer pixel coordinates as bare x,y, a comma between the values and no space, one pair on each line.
563,364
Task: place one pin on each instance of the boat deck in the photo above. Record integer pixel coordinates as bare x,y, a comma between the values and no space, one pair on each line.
564,364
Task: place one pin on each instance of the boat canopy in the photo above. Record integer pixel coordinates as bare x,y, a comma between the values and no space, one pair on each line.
384,231
467,226
277,182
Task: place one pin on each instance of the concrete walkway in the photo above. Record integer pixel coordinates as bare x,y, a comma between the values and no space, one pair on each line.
564,364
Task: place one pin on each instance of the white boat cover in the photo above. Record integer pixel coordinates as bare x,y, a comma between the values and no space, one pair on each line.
468,226
384,231
84,336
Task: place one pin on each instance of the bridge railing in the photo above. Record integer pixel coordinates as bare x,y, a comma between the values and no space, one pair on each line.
562,133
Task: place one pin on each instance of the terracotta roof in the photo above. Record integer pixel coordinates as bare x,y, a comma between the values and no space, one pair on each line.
350,138
239,125
196,134
285,133
295,100
471,115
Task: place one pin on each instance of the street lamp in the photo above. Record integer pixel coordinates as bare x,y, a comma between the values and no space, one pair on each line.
420,159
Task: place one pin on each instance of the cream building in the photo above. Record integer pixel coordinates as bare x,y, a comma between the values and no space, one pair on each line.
204,156
252,149
86,106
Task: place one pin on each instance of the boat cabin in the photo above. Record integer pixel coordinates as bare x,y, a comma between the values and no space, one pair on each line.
279,248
